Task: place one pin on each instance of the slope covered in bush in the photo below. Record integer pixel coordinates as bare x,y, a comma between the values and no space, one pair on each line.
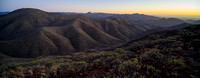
164,54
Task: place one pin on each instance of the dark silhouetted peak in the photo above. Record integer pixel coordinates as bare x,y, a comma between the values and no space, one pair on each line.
135,14
28,10
89,12
138,14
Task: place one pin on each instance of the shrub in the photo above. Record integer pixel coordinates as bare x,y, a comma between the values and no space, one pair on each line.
136,64
53,69
14,74
141,45
178,49
78,66
120,50
65,65
108,60
175,66
97,61
128,67
152,70
195,64
166,50
153,57
134,46
113,54
48,65
166,42
93,56
177,44
124,56
115,66
185,33
82,57
66,57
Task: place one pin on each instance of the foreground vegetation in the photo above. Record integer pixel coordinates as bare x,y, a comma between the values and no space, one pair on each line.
165,54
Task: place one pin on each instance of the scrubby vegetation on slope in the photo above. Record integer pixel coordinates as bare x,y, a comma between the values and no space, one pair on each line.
164,54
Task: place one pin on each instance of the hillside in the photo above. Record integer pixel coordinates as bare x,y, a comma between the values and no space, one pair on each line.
166,54
31,32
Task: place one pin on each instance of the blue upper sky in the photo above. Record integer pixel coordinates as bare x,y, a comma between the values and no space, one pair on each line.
156,7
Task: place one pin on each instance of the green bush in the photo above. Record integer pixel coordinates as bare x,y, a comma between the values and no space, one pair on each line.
97,61
186,33
115,66
141,45
152,70
14,74
78,66
93,56
166,50
175,67
136,63
109,59
175,64
127,68
113,54
66,57
82,57
120,50
164,42
65,65
153,57
134,46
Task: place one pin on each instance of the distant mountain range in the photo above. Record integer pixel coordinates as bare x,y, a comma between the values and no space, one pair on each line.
3,13
139,18
31,32
144,19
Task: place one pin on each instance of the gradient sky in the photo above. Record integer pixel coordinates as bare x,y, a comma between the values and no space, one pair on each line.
152,7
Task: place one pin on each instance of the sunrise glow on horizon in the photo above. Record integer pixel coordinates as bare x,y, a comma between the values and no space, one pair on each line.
151,7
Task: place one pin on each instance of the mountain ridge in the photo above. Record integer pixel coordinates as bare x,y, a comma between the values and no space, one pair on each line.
32,33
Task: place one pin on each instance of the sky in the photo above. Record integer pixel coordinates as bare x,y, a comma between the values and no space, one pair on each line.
151,7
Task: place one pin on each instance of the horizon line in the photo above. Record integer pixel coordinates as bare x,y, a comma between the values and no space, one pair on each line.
112,13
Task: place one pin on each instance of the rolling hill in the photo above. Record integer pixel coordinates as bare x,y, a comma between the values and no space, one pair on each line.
31,32
165,54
